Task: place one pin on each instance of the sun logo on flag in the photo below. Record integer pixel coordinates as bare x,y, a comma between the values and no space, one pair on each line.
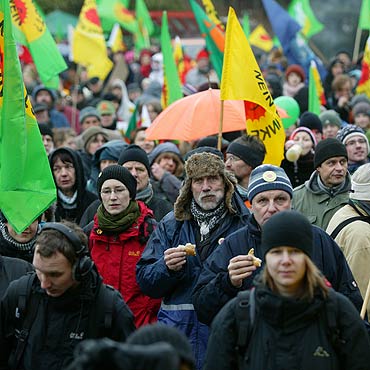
27,19
123,14
89,20
253,111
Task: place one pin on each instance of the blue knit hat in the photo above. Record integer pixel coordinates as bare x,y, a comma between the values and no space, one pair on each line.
268,177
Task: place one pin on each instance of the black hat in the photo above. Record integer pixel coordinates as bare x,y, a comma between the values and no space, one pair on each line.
119,173
45,130
287,229
134,153
311,121
158,332
252,158
328,148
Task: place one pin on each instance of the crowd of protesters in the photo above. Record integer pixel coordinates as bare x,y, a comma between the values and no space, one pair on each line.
145,231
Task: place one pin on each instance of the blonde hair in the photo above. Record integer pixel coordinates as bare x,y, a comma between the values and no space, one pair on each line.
312,280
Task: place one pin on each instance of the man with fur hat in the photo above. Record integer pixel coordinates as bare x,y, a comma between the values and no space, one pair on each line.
205,212
350,228
328,187
232,267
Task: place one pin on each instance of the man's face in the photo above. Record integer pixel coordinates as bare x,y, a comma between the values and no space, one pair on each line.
139,171
26,235
42,116
43,96
357,149
90,121
48,143
238,167
208,191
65,176
54,273
333,171
269,202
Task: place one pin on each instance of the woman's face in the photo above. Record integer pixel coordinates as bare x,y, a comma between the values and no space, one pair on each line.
303,138
115,196
146,145
287,267
96,143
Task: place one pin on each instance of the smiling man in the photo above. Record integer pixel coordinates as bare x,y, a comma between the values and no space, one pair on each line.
62,303
205,212
328,188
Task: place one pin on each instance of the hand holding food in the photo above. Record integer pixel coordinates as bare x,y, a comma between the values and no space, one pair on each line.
189,249
256,261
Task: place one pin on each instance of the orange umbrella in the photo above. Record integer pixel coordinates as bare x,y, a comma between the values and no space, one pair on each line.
197,116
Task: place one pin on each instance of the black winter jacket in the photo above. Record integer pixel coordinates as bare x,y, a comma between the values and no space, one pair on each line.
290,334
60,324
214,289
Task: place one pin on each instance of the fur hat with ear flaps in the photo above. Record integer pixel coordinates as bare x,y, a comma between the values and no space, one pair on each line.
201,165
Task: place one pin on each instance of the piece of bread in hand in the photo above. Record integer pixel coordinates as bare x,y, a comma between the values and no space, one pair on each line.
189,249
256,261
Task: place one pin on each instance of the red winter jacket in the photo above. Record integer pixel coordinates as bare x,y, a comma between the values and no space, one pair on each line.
116,256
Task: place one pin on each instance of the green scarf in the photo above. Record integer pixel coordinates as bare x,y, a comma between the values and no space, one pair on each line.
118,223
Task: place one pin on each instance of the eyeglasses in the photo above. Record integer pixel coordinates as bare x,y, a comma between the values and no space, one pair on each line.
68,167
354,142
232,158
107,191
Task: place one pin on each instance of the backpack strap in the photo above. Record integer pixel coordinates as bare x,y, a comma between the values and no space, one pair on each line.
245,319
25,316
343,224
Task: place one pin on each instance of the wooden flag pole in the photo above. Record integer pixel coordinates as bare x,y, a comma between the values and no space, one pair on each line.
219,142
357,45
366,301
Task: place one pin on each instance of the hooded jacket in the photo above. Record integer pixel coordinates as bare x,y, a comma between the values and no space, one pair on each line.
214,289
176,287
116,255
290,334
84,197
316,204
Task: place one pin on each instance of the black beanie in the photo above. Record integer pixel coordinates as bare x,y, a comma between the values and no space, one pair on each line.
158,332
119,173
252,158
134,153
311,121
328,148
287,229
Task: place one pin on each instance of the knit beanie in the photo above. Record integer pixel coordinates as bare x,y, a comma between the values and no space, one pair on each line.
268,177
328,148
88,112
330,117
212,141
349,131
163,148
250,157
296,69
90,133
287,229
134,153
153,333
119,173
46,130
361,107
311,121
304,129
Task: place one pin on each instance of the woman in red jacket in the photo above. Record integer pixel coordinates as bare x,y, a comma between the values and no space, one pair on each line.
119,233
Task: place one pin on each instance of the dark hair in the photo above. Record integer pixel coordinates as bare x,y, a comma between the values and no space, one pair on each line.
64,156
50,241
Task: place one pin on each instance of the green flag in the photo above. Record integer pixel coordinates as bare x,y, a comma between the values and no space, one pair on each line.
301,11
26,183
313,97
214,36
114,11
172,87
246,25
133,123
364,21
145,26
31,31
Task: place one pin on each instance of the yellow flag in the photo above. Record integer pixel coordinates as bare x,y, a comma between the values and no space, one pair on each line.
115,41
88,43
242,80
261,39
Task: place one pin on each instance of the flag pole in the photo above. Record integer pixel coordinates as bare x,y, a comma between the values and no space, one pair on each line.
366,301
219,141
357,44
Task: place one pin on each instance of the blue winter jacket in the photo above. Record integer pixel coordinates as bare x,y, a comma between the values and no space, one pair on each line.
156,281
214,289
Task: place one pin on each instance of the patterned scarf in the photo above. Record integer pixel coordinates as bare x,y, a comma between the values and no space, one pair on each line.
18,246
118,223
207,220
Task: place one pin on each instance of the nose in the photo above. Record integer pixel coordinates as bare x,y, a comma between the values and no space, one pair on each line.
133,172
44,281
205,185
285,257
271,206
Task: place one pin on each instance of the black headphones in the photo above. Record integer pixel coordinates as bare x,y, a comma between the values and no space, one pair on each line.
84,263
